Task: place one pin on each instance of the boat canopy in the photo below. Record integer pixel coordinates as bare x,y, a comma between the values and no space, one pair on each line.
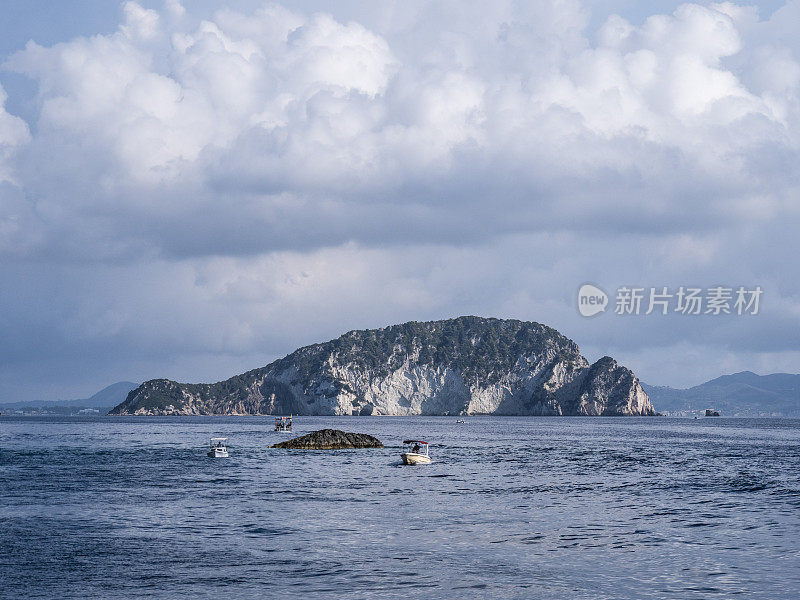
414,442
218,440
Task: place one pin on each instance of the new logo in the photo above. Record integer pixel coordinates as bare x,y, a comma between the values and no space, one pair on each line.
591,300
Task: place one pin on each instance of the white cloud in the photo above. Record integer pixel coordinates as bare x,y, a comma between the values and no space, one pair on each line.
305,104
139,23
13,133
174,8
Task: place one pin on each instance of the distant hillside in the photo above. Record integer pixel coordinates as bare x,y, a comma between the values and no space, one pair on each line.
468,365
103,401
110,396
742,394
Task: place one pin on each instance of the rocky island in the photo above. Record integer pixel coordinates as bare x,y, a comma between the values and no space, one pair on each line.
461,366
330,439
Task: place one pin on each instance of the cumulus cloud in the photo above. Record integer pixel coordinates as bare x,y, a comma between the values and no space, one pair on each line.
303,111
13,133
140,23
234,183
175,8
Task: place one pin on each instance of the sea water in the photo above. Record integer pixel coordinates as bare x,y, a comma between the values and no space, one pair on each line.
130,507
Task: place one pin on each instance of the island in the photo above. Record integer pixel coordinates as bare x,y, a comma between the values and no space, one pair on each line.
463,366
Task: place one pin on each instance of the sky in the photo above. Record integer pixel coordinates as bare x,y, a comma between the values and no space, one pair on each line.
191,191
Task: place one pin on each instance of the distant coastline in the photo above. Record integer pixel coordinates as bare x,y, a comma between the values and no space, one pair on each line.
99,403
743,394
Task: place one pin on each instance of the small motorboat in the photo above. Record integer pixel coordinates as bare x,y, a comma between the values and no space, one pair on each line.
415,452
460,421
219,448
283,423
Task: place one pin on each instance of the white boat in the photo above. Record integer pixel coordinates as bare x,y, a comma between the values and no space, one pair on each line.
219,448
283,423
415,453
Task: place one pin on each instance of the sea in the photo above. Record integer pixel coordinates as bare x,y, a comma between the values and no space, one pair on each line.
510,507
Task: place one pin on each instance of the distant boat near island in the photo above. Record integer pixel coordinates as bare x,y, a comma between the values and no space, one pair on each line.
283,423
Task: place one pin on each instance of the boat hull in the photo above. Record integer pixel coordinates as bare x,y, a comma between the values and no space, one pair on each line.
411,458
217,453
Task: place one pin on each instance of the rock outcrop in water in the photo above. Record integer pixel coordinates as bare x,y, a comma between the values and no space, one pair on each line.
468,365
331,439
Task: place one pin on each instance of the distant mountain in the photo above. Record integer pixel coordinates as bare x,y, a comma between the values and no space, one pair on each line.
103,401
110,396
742,394
468,365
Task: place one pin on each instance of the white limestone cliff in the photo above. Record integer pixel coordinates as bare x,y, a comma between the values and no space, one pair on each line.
461,366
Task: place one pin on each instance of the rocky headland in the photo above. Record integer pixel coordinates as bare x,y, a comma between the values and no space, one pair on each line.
462,366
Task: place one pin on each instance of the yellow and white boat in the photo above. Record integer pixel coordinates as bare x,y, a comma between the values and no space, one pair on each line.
283,423
415,453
